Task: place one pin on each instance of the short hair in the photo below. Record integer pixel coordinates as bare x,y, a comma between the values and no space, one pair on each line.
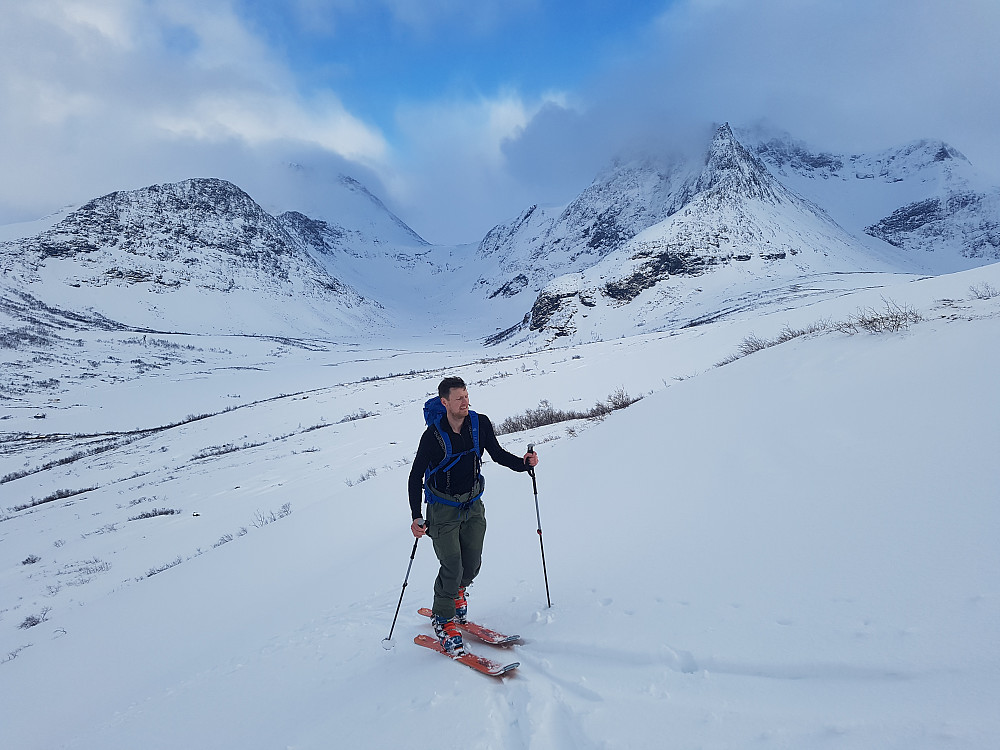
444,389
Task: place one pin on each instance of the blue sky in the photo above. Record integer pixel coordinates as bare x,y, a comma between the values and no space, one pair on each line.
460,114
376,59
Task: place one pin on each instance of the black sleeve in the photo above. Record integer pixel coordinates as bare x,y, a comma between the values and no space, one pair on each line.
415,484
489,443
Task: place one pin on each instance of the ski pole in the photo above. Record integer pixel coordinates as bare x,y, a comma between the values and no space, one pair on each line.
538,517
387,641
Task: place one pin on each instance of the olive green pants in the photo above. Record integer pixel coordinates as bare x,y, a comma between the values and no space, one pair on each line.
458,543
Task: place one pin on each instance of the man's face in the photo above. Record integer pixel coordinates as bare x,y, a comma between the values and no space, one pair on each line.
457,403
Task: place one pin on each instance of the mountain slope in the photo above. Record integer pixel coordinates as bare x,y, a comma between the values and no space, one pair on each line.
544,243
796,550
731,228
923,198
199,255
656,242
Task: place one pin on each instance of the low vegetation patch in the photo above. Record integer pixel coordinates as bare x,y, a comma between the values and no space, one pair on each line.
154,513
892,318
57,495
23,337
984,291
166,566
221,450
754,343
261,520
359,414
32,620
546,414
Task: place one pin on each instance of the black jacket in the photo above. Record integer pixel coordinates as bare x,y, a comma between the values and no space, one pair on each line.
463,475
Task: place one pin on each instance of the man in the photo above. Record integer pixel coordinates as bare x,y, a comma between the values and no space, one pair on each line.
456,519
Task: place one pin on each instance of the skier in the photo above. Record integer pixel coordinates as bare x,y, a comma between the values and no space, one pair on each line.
456,519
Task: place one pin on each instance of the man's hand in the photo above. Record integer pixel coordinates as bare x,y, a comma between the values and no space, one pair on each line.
531,459
418,527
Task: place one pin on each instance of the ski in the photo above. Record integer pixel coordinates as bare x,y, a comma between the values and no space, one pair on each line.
486,635
476,662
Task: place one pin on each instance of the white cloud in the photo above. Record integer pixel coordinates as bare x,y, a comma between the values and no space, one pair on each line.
854,75
452,172
100,96
851,74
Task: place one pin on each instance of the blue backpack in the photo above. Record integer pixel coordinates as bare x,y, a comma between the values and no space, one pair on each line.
434,411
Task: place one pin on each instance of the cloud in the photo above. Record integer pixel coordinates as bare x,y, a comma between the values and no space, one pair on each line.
101,95
855,74
452,172
104,96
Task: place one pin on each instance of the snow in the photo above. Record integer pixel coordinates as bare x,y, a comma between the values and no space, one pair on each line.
794,550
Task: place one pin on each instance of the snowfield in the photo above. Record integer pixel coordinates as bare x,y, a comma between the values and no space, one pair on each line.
797,549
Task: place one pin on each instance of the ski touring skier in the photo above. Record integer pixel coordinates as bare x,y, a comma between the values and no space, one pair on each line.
446,474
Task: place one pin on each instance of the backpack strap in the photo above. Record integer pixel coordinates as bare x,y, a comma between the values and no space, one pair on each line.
474,428
451,459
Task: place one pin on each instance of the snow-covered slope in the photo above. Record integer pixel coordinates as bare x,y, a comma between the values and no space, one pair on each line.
731,229
654,243
794,550
664,239
198,256
924,198
544,243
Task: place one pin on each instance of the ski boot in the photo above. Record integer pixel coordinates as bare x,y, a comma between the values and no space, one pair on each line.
449,636
461,607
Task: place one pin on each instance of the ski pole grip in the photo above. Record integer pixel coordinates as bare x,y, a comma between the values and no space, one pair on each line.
531,447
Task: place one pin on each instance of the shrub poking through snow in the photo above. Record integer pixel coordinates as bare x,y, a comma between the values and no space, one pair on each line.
154,513
546,414
892,319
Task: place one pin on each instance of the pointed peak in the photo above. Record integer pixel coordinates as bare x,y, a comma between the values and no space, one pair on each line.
732,168
725,145
724,139
724,132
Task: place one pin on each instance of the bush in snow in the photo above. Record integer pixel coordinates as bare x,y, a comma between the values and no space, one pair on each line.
57,495
263,519
754,343
166,566
892,319
154,513
546,414
984,291
359,414
32,620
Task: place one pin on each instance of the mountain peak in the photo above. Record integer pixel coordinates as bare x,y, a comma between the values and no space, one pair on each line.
732,170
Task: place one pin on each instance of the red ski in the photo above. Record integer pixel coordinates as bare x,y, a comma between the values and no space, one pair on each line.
476,662
486,635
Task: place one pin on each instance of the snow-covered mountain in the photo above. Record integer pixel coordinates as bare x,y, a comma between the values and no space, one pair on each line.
209,530
924,198
198,255
202,256
662,240
655,242
704,232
